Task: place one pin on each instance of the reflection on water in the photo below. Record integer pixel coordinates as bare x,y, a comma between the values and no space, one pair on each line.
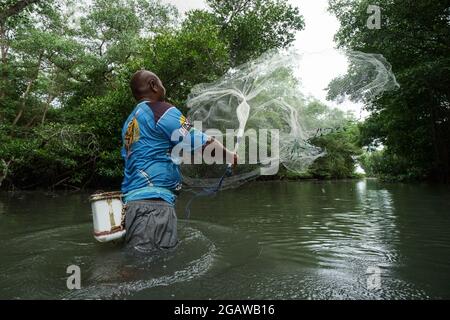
281,240
361,231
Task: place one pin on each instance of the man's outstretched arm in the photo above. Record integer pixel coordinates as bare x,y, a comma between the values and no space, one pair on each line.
229,156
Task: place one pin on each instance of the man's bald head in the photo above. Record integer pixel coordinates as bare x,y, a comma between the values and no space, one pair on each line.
146,85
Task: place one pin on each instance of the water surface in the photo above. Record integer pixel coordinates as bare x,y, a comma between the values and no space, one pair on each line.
264,240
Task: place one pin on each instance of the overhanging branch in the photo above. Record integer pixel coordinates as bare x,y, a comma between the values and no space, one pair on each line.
15,8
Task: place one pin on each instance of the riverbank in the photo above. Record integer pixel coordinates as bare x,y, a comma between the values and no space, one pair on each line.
73,189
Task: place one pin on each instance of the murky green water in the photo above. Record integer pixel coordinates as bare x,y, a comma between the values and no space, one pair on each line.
280,240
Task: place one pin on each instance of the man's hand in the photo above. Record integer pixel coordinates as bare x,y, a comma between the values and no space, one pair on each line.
230,157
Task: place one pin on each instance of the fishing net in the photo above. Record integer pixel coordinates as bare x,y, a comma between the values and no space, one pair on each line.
264,112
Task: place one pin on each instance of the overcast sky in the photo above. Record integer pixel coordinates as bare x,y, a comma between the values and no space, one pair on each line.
320,25
321,62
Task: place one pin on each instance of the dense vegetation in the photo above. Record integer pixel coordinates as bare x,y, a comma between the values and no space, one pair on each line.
65,68
411,123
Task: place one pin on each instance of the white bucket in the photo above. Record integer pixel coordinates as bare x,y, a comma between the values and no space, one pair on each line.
107,213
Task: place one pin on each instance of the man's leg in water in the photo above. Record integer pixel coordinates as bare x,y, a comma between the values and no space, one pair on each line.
151,225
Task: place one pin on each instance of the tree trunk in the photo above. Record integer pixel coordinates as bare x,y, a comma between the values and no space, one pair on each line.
47,106
28,90
5,169
30,122
15,8
441,168
3,45
4,48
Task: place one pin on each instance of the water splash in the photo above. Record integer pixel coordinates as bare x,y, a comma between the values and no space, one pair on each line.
121,275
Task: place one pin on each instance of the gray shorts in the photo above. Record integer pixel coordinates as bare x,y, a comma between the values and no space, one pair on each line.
151,225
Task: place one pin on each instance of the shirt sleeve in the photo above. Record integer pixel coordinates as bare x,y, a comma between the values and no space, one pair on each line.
177,128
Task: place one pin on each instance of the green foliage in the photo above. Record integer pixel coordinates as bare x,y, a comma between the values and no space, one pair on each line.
390,167
195,54
251,27
64,92
413,122
341,154
55,154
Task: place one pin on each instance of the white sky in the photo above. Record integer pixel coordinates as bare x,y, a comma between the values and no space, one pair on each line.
185,5
321,61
